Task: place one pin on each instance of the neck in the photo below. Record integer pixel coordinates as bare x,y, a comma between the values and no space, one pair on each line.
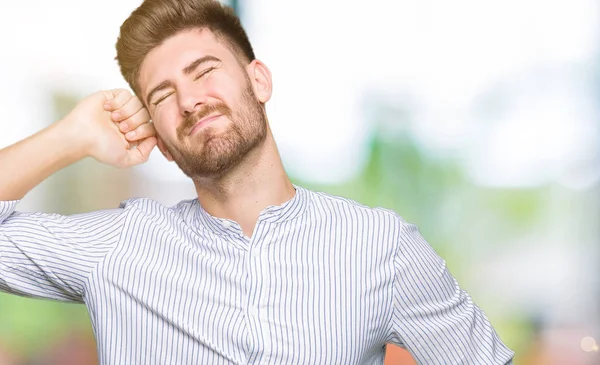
257,182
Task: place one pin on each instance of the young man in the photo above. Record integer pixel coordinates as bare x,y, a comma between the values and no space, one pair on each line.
255,270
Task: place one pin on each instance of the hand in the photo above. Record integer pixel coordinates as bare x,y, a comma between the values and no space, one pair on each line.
114,128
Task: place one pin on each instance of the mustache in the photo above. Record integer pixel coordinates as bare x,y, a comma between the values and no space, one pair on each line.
190,121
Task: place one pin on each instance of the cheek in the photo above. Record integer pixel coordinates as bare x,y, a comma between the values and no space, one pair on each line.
223,88
166,122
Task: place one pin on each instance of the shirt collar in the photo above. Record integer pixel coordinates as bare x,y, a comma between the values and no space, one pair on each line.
291,209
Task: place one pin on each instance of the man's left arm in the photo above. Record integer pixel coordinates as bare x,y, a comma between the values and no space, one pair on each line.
433,317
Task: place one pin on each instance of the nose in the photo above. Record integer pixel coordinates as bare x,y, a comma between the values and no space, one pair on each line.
191,99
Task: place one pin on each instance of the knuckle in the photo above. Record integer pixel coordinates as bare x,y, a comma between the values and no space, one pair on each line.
122,97
123,113
143,119
136,121
134,117
123,92
141,132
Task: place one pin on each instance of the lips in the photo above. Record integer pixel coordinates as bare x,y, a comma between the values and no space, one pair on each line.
204,121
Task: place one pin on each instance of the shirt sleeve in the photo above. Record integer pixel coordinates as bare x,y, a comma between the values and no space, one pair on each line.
50,256
433,318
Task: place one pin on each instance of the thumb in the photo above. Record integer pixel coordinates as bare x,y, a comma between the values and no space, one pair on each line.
141,153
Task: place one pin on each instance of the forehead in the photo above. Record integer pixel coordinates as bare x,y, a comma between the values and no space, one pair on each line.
174,54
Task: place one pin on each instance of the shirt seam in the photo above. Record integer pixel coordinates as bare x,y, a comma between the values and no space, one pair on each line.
94,269
396,281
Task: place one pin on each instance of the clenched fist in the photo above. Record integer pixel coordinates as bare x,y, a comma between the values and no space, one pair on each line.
113,127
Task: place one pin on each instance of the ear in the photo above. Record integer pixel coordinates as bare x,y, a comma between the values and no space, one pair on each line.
260,77
163,148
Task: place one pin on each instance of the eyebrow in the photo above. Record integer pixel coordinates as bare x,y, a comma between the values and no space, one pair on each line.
186,71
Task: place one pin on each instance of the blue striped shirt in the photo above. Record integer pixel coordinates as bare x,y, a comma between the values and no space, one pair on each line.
322,280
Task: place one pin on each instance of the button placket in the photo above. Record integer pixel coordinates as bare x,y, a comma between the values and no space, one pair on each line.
256,281
258,286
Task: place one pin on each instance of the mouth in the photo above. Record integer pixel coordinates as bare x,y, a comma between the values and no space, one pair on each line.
201,123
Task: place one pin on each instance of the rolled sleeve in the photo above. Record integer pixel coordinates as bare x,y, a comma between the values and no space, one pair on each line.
50,255
433,317
6,208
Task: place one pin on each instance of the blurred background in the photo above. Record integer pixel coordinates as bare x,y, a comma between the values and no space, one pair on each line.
476,120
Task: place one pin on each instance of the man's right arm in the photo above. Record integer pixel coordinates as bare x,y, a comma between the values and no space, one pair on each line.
30,161
90,129
50,255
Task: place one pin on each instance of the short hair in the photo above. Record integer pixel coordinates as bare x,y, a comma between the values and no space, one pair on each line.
155,21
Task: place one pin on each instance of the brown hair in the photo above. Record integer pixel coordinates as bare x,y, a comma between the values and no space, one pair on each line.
155,21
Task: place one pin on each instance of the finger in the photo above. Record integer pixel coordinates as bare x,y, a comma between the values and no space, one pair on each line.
130,108
142,152
119,98
140,118
110,94
141,132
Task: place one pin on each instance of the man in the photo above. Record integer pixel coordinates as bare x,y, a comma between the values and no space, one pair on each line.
255,270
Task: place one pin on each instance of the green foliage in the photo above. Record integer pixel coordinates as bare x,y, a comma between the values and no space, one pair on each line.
28,326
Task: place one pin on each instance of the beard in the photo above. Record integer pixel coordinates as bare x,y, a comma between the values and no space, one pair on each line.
214,153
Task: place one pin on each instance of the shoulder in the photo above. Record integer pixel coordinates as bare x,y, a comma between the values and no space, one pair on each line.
338,206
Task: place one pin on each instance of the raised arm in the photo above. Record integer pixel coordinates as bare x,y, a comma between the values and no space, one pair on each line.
91,129
50,255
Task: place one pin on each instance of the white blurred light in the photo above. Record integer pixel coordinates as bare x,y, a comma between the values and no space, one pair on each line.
588,344
445,54
538,142
581,178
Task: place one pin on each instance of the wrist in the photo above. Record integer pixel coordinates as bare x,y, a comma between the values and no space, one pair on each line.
70,142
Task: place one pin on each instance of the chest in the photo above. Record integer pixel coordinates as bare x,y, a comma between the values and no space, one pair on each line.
280,297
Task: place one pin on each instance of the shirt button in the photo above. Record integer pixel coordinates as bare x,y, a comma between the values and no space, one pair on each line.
226,224
254,311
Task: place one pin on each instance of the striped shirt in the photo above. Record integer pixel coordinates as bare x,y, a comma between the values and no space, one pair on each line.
322,280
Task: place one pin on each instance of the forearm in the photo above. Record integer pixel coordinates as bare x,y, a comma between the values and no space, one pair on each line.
433,317
27,163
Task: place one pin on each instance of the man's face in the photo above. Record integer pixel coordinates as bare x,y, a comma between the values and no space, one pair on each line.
202,102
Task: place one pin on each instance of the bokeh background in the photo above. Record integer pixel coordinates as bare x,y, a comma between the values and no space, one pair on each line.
476,120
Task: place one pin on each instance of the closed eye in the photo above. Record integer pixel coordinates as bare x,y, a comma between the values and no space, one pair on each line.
162,98
200,75
204,73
